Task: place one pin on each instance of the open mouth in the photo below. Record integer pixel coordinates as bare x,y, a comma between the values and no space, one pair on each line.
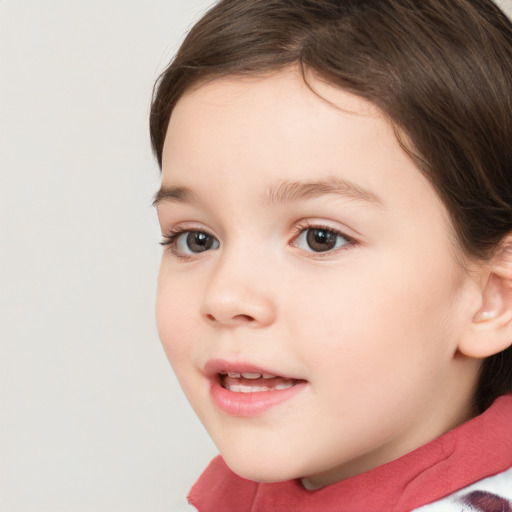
252,382
244,389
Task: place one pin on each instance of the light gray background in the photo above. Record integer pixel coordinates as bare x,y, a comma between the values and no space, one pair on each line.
91,417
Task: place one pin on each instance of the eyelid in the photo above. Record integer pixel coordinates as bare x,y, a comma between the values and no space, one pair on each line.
172,235
176,229
307,224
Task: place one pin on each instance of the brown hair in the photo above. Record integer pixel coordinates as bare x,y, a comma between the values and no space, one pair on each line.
441,70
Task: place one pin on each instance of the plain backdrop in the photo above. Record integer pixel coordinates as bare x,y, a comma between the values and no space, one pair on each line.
91,417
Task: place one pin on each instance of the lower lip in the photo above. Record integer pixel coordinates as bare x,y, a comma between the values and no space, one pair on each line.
251,404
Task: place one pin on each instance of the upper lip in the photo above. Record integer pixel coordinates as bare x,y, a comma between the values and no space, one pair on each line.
216,366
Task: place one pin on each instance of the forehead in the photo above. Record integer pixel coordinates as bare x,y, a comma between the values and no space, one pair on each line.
271,118
278,89
280,83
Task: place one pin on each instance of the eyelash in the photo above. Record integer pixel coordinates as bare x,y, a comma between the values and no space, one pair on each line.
306,226
171,239
172,236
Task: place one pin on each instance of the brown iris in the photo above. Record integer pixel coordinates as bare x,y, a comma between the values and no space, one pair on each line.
321,240
199,242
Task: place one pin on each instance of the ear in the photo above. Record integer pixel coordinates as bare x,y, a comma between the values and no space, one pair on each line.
490,330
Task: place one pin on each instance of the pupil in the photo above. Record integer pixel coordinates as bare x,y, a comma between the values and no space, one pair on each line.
320,240
199,242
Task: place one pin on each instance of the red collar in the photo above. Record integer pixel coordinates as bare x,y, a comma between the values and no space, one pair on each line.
477,449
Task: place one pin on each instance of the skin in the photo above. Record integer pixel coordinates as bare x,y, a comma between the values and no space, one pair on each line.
373,326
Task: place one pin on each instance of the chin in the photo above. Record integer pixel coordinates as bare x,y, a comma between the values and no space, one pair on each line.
265,471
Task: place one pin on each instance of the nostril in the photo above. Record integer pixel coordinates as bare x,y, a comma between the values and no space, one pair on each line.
243,318
235,319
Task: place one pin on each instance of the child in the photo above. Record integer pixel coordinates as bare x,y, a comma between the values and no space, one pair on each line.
335,293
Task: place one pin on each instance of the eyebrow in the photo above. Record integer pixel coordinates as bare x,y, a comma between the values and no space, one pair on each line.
284,192
291,191
174,194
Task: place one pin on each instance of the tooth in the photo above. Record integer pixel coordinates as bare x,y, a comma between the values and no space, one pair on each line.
249,375
241,388
284,385
268,376
234,375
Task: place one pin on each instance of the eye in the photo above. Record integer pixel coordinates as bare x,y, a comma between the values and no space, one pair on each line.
320,239
188,243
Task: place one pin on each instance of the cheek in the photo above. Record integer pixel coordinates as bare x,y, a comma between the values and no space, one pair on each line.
175,306
387,322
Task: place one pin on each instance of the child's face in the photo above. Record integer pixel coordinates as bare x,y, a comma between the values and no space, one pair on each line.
314,250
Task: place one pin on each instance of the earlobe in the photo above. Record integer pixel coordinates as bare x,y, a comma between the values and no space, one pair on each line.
490,331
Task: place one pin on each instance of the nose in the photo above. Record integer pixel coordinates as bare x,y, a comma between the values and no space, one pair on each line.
237,294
